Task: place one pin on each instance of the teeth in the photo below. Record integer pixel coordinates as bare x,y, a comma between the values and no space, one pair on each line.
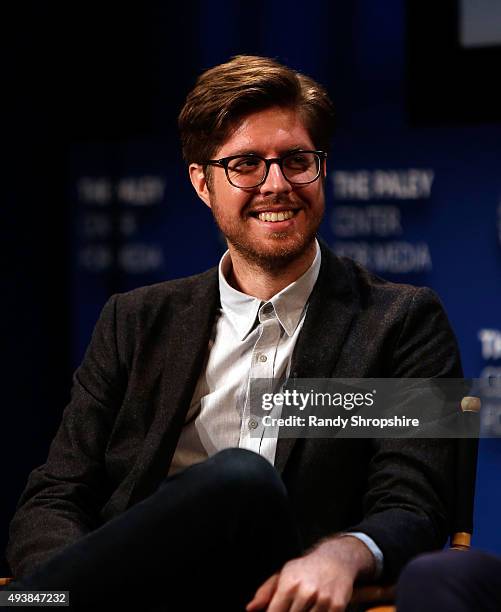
280,216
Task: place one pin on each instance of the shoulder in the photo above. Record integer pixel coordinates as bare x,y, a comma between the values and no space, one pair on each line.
370,290
413,309
148,316
173,293
369,285
155,307
408,323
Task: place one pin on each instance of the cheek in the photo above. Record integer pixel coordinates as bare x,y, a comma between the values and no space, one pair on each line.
320,194
315,196
229,200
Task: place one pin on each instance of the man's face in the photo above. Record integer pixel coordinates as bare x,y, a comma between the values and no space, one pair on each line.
268,133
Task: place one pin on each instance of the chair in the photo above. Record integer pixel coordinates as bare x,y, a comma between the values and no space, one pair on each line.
383,596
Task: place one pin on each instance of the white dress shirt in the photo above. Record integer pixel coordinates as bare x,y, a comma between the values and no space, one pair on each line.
250,339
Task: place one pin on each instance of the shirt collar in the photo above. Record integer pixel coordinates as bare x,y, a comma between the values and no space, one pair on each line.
288,304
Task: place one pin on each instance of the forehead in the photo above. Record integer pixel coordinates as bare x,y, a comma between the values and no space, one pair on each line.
269,132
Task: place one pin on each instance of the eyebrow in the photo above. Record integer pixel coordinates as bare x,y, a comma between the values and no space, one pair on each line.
283,152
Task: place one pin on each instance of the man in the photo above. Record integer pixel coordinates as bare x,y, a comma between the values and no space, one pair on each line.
162,392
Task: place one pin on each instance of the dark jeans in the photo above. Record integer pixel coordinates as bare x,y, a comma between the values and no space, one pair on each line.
205,540
455,581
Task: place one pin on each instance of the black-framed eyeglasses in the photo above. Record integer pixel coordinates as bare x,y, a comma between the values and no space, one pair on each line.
247,171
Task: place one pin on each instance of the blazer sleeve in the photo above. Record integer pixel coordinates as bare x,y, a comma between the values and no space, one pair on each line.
409,495
62,499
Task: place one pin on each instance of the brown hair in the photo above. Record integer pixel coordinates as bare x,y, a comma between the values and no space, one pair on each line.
228,92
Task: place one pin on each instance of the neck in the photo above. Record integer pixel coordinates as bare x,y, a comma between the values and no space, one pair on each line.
263,282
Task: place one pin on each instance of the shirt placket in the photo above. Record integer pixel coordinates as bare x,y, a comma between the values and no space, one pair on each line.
262,366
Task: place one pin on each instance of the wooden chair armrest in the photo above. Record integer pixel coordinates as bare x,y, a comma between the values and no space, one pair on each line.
373,593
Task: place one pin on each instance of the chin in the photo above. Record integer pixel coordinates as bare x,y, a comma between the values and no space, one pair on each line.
279,254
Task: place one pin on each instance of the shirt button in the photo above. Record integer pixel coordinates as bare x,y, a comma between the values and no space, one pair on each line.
253,424
263,358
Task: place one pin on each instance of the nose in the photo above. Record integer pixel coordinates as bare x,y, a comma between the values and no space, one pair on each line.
275,181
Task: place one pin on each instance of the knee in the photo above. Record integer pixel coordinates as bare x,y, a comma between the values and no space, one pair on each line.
421,570
421,581
437,575
243,466
447,566
248,472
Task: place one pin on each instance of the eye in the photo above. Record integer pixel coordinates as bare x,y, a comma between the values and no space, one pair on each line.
244,165
298,161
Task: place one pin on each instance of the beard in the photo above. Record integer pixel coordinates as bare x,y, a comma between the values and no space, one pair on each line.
278,249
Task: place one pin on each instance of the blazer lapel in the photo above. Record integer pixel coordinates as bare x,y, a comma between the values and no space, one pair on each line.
331,308
189,335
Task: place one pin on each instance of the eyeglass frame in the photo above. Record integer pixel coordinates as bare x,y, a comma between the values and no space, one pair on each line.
224,161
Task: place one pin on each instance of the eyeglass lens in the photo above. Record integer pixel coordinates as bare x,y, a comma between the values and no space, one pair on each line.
249,171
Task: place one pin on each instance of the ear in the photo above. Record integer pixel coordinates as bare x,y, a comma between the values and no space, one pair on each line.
324,167
199,182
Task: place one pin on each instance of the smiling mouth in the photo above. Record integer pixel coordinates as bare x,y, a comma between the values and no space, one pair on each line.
273,217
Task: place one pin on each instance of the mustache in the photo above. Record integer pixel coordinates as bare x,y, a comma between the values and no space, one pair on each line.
271,202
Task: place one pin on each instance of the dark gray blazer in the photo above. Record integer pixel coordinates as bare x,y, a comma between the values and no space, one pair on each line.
134,387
